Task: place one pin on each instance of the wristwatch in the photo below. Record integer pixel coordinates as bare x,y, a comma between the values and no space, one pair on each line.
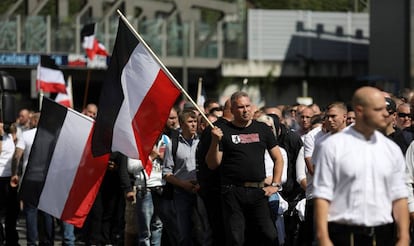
277,185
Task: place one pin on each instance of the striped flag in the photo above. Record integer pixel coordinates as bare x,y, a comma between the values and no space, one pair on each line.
89,42
49,77
62,178
66,99
135,100
63,99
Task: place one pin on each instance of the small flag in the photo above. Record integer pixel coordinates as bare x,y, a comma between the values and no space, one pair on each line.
63,99
62,178
66,99
49,77
90,43
135,100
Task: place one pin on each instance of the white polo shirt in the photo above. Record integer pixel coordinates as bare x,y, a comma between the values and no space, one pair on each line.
6,155
25,143
361,178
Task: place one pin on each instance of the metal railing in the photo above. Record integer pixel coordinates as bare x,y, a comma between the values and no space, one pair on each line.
167,37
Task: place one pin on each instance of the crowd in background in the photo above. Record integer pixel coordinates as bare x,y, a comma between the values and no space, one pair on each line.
185,198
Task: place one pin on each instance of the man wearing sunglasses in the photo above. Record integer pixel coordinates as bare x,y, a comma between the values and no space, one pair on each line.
403,116
404,137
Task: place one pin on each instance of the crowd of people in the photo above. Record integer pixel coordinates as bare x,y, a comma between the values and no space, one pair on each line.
336,174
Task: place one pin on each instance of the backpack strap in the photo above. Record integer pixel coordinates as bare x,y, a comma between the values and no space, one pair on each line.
174,144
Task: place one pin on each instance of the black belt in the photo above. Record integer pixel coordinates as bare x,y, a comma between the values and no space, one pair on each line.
248,184
386,229
254,184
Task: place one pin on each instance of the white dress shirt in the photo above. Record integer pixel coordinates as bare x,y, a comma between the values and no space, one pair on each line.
409,160
6,155
361,178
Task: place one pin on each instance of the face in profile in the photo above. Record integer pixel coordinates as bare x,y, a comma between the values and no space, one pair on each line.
172,121
375,113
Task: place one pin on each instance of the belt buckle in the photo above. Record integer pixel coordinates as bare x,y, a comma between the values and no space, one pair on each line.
369,231
254,184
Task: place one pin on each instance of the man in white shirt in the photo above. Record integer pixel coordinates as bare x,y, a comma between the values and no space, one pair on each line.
23,147
409,159
334,121
359,187
9,205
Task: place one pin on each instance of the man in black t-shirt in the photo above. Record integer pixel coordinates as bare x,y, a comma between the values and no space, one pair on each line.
238,147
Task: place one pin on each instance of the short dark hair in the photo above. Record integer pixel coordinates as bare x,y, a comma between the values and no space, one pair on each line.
209,101
185,114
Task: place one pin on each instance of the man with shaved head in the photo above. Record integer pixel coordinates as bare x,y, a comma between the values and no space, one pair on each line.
359,186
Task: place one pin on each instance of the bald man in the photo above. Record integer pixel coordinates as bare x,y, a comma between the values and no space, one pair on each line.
275,111
90,110
359,187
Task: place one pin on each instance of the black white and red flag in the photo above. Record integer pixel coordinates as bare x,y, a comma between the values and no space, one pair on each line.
135,100
90,43
62,178
49,77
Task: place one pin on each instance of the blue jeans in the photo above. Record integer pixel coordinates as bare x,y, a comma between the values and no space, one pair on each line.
31,214
150,225
184,204
68,234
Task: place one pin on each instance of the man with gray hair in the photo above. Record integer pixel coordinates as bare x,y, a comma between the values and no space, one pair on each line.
238,147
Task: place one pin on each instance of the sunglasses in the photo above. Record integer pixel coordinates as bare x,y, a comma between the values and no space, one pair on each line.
403,115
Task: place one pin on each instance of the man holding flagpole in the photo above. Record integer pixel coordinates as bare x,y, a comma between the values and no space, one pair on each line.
238,147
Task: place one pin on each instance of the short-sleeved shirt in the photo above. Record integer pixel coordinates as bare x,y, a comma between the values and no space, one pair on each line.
6,155
25,143
361,178
309,141
269,164
243,152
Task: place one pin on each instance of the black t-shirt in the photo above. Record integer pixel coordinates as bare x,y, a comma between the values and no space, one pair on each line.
243,152
206,177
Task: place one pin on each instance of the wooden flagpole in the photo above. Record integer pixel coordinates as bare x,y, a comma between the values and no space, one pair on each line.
170,76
